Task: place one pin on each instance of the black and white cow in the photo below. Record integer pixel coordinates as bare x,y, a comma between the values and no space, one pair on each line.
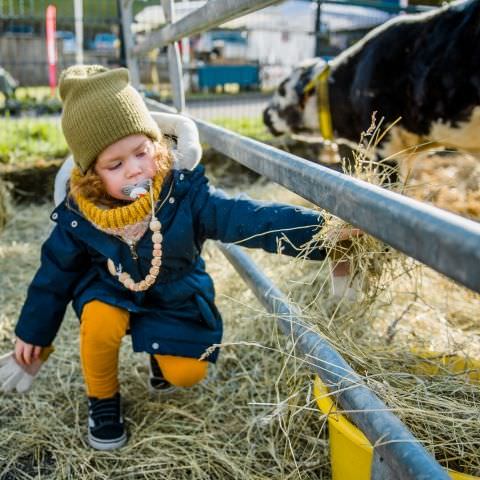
424,68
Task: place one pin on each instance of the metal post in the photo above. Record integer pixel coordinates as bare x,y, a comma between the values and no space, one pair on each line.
132,62
78,9
123,50
174,62
186,59
318,28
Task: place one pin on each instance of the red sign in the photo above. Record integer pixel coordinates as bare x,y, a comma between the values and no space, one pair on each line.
51,47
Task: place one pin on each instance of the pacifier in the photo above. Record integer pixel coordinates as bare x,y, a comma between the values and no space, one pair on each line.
137,190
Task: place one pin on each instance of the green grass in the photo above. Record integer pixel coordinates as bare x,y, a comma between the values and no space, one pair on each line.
247,126
98,9
33,99
40,94
27,140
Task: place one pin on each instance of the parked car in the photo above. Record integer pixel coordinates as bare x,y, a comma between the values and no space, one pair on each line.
68,38
18,29
105,42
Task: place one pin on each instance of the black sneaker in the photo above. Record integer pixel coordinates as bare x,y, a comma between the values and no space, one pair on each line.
156,380
105,423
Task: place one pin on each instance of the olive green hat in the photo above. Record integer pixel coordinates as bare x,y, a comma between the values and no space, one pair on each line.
100,106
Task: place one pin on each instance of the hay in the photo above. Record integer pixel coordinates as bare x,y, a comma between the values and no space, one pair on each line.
5,204
406,308
448,180
428,314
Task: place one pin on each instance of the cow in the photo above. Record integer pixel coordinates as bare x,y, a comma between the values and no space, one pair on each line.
421,71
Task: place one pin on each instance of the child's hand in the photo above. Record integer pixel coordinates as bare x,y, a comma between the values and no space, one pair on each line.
19,367
339,235
25,353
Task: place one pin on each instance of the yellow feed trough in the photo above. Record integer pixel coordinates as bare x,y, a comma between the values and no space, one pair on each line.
351,453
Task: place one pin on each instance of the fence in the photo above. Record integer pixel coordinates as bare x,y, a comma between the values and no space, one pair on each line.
447,243
23,46
250,57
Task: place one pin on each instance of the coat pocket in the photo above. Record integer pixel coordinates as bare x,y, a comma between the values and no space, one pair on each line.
207,311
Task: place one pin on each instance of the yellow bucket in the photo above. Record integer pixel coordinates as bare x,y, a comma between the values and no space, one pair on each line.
351,452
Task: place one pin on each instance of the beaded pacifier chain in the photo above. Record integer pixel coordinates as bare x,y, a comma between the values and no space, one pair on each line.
124,277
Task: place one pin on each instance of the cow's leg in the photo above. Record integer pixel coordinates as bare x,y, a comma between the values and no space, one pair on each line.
398,152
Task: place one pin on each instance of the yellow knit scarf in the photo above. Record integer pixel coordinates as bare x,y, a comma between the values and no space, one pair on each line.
118,217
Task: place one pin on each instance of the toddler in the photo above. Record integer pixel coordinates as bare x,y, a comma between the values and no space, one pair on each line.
126,249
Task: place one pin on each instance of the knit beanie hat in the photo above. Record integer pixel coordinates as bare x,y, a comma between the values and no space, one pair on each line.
100,106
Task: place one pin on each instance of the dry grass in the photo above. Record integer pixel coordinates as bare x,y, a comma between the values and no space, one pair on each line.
5,204
255,417
448,180
405,311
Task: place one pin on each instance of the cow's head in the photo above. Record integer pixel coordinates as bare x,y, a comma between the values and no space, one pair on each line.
287,111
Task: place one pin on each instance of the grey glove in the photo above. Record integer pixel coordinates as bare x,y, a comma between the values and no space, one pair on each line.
18,377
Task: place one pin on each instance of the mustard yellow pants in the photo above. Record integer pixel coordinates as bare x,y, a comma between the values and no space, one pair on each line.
102,328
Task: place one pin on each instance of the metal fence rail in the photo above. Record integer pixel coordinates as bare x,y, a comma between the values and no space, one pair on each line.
443,241
403,457
212,14
446,242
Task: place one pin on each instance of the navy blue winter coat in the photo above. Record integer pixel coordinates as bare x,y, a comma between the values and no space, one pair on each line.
177,315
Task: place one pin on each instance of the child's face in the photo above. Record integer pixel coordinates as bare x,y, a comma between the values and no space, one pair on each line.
126,162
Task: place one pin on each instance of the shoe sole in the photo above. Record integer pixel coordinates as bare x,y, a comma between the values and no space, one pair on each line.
101,444
158,391
162,391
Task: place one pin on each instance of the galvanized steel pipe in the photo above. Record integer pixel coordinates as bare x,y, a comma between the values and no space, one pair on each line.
446,242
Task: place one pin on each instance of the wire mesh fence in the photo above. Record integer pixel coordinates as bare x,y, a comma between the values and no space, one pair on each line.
230,71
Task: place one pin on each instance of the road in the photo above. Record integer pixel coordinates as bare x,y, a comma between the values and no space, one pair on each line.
227,107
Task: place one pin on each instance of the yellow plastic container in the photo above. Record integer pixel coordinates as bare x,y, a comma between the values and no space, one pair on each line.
350,451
